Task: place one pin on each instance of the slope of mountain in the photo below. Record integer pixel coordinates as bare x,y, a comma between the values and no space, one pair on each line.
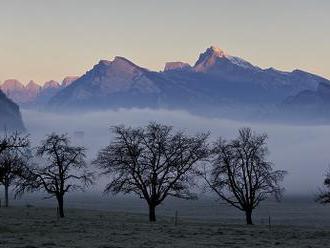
309,104
217,81
321,96
15,90
48,90
31,92
10,117
126,83
68,80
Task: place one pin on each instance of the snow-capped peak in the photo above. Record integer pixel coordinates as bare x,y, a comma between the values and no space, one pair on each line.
213,55
241,62
208,58
217,51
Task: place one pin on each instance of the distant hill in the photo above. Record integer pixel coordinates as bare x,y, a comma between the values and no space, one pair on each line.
313,105
10,116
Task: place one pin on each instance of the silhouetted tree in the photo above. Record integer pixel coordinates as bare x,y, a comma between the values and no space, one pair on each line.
153,162
12,164
64,169
241,174
324,195
10,144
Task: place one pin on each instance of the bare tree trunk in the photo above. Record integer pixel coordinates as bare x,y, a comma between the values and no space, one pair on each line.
248,215
6,195
60,201
152,213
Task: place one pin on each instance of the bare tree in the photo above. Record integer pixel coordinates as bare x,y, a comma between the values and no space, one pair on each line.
12,164
153,162
64,169
10,144
241,175
324,195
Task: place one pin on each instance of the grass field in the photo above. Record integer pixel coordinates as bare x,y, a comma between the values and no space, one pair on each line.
38,227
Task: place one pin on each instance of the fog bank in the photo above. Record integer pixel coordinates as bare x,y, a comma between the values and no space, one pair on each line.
304,151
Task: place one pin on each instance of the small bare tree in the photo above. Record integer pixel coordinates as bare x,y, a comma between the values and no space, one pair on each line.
12,164
64,169
241,175
153,162
11,144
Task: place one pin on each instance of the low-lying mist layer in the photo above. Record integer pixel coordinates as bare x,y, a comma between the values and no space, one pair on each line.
304,151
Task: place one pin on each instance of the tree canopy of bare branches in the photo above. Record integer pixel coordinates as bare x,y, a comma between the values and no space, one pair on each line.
241,175
63,168
13,141
153,162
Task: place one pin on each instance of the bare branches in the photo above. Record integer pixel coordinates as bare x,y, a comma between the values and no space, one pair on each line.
241,174
15,140
153,162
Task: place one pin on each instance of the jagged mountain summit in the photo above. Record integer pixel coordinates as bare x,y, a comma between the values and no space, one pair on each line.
214,58
216,82
33,93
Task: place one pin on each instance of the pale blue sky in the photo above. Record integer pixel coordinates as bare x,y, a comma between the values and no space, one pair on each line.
46,39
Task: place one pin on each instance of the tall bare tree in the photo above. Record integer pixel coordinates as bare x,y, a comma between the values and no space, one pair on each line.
12,164
153,162
241,175
63,169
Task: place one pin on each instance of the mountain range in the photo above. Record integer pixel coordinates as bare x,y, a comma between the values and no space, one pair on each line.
33,93
218,84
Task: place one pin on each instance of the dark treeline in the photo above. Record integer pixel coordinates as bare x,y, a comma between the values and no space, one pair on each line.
153,162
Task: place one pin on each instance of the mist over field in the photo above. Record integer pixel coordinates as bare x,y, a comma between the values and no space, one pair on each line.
304,151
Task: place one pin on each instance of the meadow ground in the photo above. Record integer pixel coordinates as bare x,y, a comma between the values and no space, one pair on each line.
37,227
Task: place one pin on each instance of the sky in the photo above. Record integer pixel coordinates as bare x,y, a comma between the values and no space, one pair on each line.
46,39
